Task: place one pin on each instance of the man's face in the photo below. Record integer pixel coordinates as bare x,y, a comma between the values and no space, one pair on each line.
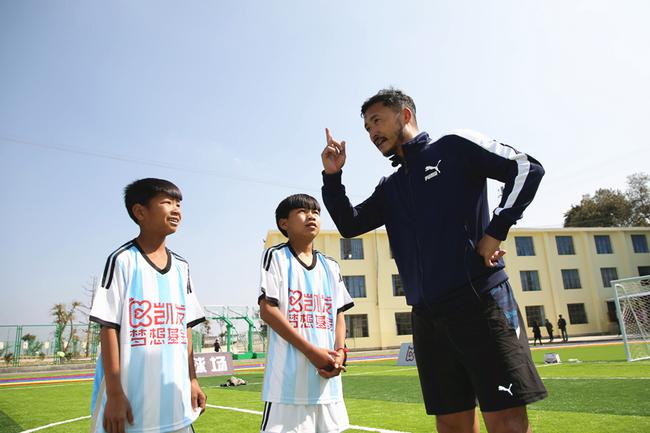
385,127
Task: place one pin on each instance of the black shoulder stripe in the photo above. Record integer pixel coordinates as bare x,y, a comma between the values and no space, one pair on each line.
269,255
329,258
189,285
108,260
107,278
333,260
266,256
178,256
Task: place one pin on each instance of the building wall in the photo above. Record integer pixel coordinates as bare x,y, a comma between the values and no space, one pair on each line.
380,305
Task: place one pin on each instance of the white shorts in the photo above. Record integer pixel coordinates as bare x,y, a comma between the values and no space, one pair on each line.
304,418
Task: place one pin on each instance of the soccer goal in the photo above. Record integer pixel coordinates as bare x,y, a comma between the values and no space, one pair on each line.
633,309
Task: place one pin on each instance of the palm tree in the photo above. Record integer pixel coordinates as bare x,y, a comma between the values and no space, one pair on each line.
60,319
71,316
63,317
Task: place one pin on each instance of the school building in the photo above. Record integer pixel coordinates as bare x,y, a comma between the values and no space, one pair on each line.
555,271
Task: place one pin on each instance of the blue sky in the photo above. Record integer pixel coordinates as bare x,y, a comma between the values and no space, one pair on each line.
230,101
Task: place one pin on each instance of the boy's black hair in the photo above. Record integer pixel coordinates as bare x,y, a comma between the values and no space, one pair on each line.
391,98
296,201
143,190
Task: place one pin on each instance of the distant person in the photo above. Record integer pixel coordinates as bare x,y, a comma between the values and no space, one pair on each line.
146,306
537,333
217,346
468,335
549,329
561,324
302,299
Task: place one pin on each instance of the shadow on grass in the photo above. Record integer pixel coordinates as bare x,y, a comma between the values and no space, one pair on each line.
8,425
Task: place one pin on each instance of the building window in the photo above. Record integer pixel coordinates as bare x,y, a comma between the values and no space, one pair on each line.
530,281
643,271
398,290
577,314
525,246
352,249
403,323
603,244
565,245
535,313
356,285
608,274
356,325
611,311
640,243
571,278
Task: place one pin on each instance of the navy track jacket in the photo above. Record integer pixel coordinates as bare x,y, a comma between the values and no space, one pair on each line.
435,210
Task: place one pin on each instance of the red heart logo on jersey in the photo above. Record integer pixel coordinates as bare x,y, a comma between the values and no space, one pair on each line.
295,297
139,316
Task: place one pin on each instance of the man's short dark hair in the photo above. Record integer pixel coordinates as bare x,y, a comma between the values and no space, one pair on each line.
143,190
391,98
296,201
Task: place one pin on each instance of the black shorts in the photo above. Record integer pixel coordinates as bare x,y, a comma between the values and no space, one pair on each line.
475,350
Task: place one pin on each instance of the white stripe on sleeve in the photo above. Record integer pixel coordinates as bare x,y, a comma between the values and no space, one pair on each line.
493,146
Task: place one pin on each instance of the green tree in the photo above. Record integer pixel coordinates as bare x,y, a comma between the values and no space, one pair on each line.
60,319
638,194
607,208
612,208
206,328
33,345
64,317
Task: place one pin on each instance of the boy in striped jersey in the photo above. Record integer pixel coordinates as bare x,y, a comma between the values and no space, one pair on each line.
302,298
146,306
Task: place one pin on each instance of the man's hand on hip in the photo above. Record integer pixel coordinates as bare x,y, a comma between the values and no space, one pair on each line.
488,248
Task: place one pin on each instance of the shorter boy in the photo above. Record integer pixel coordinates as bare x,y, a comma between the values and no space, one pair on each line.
146,306
302,298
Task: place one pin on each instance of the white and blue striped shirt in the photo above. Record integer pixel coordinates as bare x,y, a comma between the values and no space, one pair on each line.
309,296
151,308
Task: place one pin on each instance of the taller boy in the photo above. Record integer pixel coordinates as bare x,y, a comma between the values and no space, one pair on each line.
468,334
146,306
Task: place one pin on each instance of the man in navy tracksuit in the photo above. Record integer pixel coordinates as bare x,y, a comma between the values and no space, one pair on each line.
468,334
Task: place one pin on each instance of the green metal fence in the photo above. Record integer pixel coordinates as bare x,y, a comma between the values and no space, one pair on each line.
24,345
237,328
40,345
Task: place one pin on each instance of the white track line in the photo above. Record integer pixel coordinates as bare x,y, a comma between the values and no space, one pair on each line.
235,409
597,378
379,372
18,387
257,412
55,424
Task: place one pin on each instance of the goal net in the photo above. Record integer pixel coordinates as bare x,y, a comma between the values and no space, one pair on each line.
633,309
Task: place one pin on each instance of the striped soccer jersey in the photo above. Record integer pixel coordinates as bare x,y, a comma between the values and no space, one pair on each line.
151,308
309,296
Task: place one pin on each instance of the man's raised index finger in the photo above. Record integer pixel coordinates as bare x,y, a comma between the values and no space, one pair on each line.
328,136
